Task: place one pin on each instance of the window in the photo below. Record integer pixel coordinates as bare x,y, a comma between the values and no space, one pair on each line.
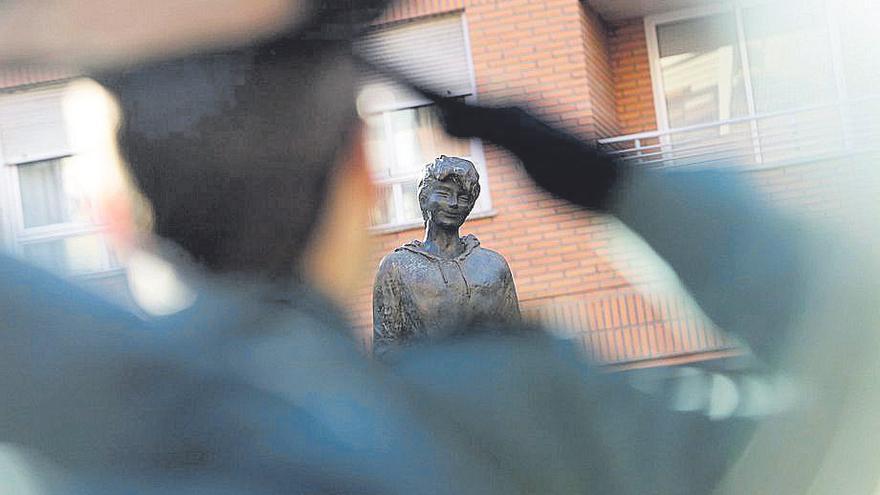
789,55
49,212
700,68
400,143
857,23
758,82
403,131
721,63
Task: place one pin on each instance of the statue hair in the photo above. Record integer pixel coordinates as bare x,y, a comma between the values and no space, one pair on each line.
459,170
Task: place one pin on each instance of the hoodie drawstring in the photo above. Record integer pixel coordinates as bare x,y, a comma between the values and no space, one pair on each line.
471,243
467,287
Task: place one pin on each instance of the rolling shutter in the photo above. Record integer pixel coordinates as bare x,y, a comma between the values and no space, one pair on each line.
433,53
32,127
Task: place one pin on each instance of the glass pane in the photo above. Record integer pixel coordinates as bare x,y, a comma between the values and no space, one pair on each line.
48,255
858,37
417,138
383,209
701,70
433,139
52,192
406,134
789,56
410,211
73,255
377,145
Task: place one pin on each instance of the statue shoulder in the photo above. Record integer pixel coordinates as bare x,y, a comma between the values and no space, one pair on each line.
389,261
492,258
395,260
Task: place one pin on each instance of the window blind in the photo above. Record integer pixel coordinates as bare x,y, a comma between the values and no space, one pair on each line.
433,53
32,127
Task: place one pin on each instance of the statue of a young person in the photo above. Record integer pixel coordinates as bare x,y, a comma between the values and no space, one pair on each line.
434,288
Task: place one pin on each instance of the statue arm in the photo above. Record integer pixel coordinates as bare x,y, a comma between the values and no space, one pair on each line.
510,309
388,315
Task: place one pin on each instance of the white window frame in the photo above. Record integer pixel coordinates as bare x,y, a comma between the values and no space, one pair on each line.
653,21
483,208
15,235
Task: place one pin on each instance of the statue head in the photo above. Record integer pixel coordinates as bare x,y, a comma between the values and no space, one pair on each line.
448,191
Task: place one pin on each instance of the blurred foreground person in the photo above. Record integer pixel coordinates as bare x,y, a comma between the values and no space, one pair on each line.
250,160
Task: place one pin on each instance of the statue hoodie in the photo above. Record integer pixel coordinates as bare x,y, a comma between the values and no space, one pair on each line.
419,295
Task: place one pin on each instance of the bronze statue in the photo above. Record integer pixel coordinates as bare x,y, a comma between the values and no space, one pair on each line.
425,289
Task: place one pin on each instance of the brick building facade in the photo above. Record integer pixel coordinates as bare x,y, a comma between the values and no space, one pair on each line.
678,83
591,77
598,69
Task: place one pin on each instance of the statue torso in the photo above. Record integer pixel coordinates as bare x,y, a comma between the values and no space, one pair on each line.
437,296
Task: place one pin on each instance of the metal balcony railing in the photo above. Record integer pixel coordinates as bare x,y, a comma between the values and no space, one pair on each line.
627,326
766,140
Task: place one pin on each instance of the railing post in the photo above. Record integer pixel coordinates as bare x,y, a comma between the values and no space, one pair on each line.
756,141
843,110
747,83
791,136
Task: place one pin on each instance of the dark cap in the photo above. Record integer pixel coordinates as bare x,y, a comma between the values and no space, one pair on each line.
233,147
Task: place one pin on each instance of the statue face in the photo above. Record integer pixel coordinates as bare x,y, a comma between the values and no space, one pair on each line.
449,204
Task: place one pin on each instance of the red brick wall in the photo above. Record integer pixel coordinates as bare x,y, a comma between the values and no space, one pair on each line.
599,73
633,94
549,53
